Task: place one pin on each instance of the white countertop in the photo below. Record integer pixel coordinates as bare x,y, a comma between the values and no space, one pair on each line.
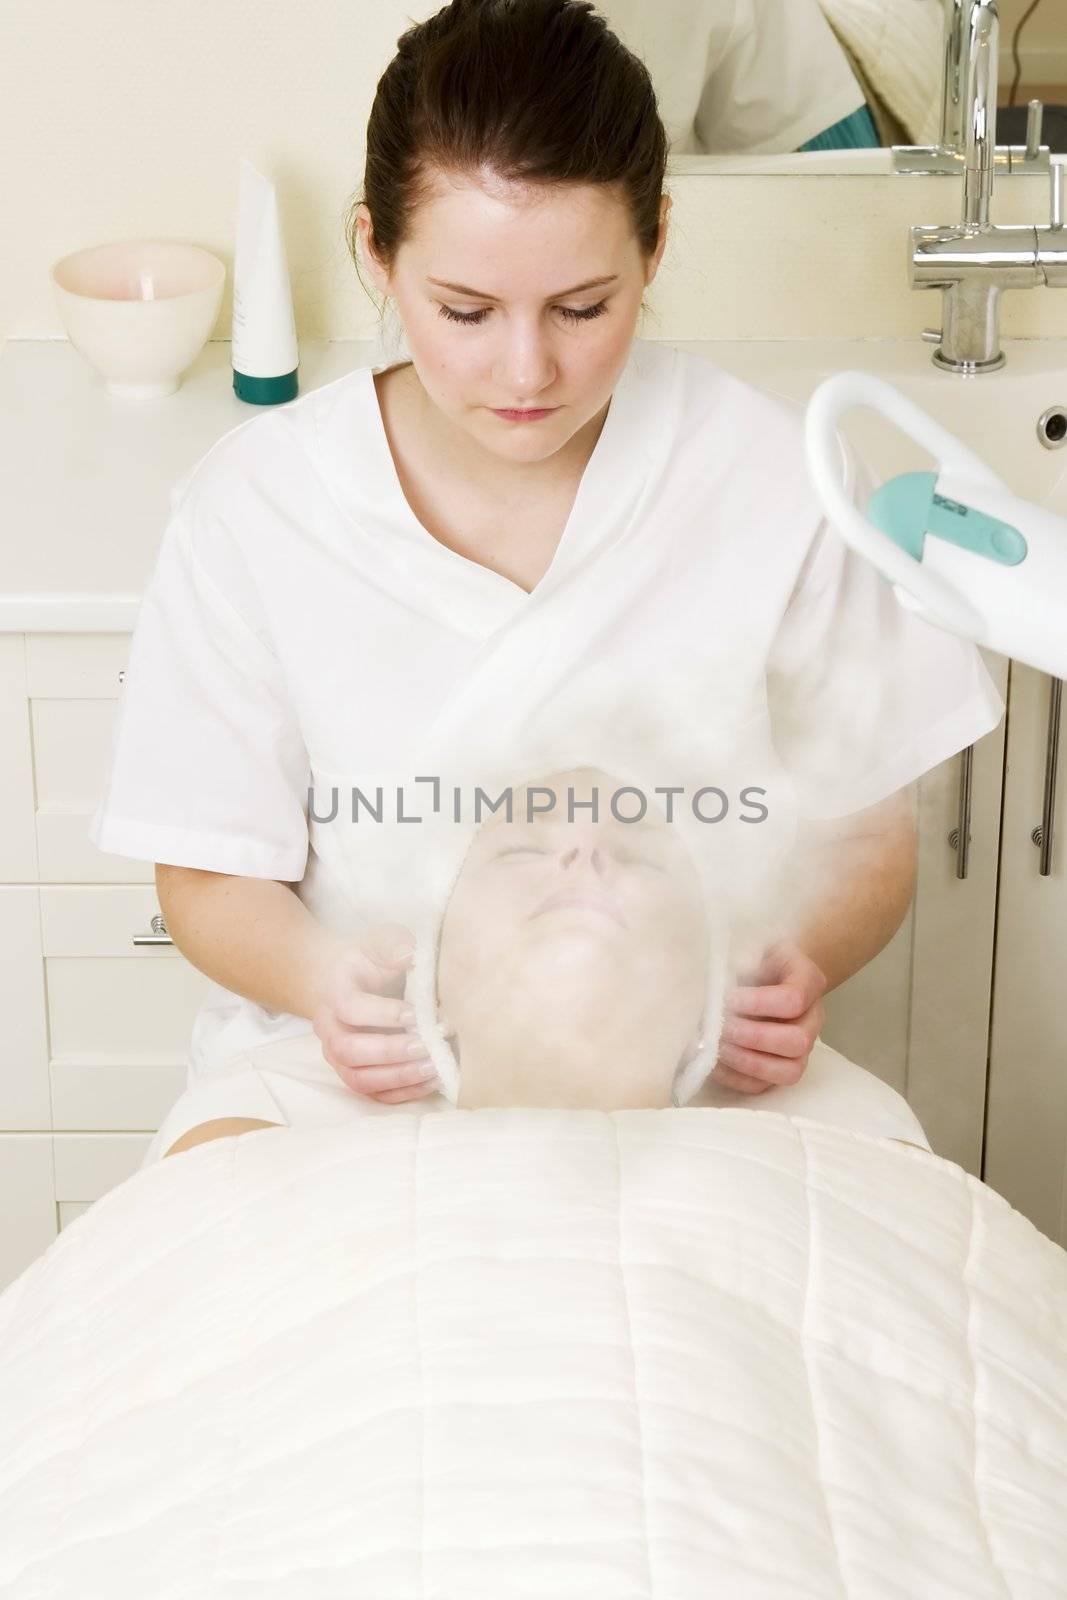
86,477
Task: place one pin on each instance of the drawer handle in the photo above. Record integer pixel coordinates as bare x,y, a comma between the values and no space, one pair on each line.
1042,836
960,837
159,934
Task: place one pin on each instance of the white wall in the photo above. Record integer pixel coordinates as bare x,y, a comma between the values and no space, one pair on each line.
1042,43
124,121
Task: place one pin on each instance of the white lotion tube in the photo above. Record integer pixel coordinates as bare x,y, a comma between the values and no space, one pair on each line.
263,350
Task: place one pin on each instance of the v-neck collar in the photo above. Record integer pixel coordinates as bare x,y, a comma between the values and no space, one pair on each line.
440,581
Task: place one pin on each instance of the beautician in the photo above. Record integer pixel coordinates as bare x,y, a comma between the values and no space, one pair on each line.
539,522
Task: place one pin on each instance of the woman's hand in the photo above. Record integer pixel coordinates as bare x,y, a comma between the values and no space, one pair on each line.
755,1054
361,996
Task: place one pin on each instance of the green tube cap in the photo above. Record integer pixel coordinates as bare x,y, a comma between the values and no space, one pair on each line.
266,391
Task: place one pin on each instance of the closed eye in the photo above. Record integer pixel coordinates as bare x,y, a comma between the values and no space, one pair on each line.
642,861
623,855
472,318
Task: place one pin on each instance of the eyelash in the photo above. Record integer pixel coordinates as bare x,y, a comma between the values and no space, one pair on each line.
473,318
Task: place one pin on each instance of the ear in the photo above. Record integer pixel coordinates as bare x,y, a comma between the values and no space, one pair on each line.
365,228
664,210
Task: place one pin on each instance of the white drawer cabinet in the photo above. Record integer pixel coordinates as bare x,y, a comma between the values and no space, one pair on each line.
108,997
48,1179
119,1015
18,839
918,1014
28,1201
25,1096
98,1027
1026,1153
72,684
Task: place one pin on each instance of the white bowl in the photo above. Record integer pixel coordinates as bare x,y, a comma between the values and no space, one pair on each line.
139,311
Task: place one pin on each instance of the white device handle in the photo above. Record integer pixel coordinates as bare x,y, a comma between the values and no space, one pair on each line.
946,605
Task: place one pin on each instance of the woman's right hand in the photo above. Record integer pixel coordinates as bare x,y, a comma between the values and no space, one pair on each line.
361,1007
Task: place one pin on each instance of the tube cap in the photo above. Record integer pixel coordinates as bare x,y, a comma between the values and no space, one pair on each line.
266,391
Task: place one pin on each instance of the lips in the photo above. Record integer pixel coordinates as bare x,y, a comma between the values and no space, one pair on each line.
524,411
576,897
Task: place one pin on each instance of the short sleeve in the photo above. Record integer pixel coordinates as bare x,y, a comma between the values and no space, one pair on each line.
864,695
207,763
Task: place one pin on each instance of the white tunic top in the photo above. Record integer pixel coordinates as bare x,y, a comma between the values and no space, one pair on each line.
736,76
700,625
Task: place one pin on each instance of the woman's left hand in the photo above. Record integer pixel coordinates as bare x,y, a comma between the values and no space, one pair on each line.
771,1022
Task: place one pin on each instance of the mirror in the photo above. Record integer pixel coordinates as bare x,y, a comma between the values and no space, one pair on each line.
841,86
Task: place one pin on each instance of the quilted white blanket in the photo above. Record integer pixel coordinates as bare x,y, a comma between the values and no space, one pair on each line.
688,1354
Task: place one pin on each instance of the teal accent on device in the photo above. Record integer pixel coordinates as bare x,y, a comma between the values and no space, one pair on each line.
908,508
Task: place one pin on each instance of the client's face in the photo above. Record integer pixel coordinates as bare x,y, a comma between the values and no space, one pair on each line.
573,960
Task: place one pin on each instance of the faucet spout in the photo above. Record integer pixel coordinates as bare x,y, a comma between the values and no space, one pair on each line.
981,131
972,262
953,86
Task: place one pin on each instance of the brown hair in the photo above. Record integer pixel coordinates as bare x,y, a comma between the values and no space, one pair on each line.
536,91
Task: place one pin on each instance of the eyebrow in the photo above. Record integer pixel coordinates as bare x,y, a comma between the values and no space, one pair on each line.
480,294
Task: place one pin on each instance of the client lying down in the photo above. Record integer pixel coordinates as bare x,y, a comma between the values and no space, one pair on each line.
574,960
536,1347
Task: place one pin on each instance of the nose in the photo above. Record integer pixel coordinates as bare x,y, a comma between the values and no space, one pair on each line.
527,368
574,857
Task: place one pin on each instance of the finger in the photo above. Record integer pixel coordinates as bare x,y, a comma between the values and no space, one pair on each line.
355,1048
363,1010
772,1069
770,1000
388,945
417,1091
769,964
371,1080
771,1038
760,974
738,1080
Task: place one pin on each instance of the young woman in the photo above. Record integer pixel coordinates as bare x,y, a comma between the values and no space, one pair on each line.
539,523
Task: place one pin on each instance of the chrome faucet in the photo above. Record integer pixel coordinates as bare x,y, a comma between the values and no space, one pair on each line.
971,262
948,155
